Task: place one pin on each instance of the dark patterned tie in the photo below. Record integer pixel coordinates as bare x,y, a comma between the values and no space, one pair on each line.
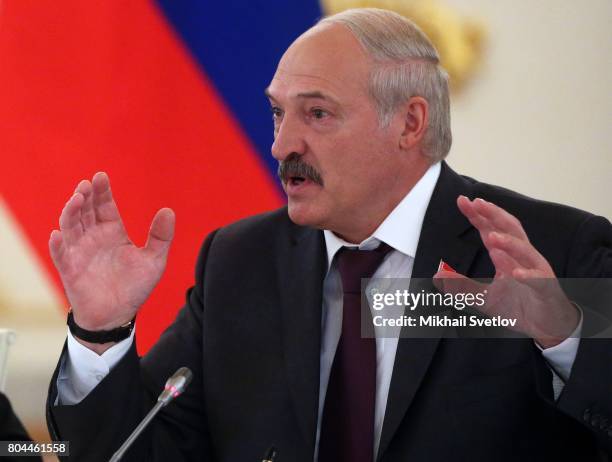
347,426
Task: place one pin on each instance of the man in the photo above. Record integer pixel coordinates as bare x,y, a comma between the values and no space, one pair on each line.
361,123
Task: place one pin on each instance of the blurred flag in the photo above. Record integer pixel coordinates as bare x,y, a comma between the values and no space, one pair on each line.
166,96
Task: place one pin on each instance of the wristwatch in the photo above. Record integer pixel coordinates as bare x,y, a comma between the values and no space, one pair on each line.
100,336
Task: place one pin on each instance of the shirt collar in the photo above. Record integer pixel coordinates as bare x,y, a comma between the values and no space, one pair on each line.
402,227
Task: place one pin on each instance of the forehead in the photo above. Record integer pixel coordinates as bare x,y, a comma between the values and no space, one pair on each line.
327,59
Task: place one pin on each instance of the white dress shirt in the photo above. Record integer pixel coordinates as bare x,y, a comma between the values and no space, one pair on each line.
83,369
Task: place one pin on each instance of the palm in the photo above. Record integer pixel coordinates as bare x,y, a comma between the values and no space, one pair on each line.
532,307
105,270
525,287
105,276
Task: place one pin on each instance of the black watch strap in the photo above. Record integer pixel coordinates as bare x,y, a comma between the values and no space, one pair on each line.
100,336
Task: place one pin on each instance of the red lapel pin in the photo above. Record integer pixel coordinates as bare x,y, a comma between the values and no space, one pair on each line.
443,266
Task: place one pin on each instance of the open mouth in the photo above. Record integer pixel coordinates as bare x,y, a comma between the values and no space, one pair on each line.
296,180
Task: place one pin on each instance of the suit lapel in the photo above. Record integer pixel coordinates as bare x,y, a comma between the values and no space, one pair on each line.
302,269
446,234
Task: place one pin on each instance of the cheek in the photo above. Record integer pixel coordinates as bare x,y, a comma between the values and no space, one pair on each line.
352,159
360,158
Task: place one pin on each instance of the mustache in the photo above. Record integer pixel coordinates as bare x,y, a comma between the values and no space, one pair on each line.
294,166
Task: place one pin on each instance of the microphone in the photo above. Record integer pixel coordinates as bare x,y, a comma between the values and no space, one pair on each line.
175,386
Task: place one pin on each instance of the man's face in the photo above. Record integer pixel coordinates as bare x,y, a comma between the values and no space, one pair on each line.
337,160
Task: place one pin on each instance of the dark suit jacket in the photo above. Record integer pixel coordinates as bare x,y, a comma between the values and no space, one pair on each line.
11,429
251,329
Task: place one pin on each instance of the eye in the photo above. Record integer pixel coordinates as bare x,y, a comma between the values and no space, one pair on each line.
277,112
318,113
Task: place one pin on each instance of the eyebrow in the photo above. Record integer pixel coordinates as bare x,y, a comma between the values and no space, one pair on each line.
307,95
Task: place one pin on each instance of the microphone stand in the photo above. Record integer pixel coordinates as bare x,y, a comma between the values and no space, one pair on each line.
136,433
173,388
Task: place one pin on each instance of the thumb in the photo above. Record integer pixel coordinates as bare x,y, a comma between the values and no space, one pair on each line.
161,232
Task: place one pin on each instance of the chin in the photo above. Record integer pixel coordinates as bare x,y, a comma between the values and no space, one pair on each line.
306,215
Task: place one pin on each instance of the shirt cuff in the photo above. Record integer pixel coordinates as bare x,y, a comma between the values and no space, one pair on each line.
82,369
561,357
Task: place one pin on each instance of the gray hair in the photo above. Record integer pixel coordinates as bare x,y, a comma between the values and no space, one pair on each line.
406,64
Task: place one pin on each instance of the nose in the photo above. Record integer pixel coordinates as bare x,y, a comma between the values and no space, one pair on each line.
289,138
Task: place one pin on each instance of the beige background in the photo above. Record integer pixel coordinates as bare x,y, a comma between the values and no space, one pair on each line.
536,119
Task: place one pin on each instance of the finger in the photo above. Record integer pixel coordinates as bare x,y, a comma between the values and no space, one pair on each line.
520,250
56,247
504,263
104,205
161,232
535,278
468,209
499,219
481,223
88,216
70,219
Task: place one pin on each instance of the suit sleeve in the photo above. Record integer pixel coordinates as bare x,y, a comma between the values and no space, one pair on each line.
11,428
587,395
101,422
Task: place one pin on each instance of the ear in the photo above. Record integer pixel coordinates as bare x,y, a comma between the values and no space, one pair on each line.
415,115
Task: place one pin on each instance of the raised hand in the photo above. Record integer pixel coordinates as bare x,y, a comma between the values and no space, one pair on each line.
525,286
105,276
